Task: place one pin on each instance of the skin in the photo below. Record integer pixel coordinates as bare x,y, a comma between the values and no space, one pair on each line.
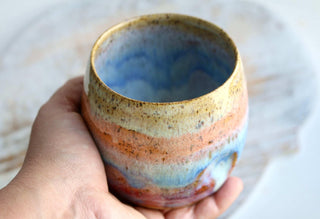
63,175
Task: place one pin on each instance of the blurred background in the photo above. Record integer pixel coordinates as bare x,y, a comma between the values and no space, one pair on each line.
288,185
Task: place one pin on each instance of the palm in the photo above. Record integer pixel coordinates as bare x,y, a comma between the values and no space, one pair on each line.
68,160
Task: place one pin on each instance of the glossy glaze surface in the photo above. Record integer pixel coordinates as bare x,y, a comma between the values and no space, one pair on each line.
166,141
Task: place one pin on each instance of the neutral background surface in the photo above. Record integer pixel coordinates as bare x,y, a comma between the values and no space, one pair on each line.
289,187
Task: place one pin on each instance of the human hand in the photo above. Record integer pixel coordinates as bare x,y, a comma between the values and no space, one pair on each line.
63,175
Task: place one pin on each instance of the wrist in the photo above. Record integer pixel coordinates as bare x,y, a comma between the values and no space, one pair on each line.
18,200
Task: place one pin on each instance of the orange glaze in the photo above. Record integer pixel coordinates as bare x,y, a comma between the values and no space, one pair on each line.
170,154
162,150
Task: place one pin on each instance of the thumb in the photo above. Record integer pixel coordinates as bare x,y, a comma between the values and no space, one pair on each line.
59,135
59,122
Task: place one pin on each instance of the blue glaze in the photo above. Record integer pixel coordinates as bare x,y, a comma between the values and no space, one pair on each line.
162,64
182,174
182,177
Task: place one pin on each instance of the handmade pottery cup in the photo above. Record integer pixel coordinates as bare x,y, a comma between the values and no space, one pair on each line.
165,99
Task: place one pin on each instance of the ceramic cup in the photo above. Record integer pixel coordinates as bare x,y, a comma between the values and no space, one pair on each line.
165,99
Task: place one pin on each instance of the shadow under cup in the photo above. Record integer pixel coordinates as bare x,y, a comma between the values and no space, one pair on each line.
165,99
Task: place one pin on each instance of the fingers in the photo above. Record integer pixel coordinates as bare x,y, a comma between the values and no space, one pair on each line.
110,207
228,193
213,206
183,213
150,214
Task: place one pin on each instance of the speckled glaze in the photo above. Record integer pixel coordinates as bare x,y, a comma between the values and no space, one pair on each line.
168,138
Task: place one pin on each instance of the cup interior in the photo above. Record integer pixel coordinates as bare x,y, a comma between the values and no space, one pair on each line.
164,58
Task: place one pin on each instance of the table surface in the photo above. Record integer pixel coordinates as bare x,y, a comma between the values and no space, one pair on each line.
289,186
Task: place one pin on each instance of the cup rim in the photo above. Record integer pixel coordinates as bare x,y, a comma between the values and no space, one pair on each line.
118,26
